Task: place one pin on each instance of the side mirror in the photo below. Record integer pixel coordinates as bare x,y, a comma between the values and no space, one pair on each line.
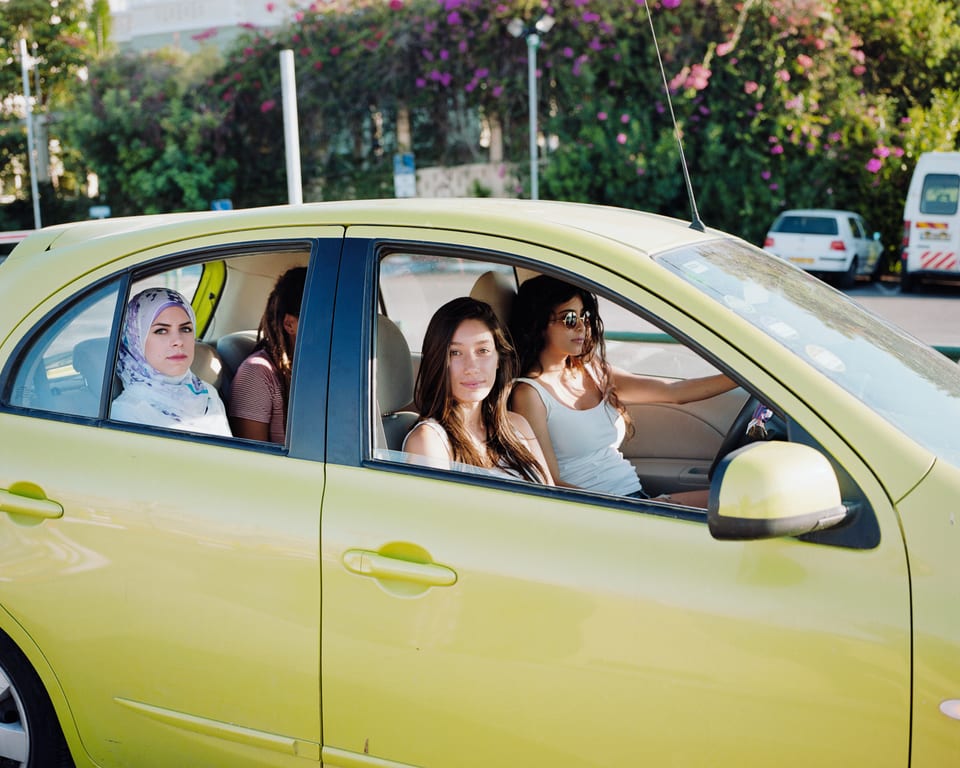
770,489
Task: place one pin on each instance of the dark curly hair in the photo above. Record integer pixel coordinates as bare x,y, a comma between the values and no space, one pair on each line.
533,310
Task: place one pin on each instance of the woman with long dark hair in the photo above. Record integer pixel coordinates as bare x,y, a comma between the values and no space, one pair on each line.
461,393
575,400
261,387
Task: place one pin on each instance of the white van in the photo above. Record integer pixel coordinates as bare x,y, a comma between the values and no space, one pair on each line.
931,221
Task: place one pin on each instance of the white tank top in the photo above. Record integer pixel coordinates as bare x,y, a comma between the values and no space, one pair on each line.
587,445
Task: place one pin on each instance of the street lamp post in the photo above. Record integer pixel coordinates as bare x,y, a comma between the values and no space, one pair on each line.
532,34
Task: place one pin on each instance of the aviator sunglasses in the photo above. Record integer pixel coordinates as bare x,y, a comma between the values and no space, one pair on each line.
570,318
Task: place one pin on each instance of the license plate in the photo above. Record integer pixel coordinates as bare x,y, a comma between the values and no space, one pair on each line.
801,260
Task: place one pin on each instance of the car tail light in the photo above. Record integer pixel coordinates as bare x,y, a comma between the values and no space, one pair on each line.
837,245
906,234
768,242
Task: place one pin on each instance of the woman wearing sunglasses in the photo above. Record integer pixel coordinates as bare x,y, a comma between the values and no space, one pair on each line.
575,400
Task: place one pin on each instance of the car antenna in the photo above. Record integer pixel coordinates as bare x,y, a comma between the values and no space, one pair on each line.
695,222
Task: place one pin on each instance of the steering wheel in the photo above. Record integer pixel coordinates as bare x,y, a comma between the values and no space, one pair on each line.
737,434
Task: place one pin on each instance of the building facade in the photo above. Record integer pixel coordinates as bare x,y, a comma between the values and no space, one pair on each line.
143,25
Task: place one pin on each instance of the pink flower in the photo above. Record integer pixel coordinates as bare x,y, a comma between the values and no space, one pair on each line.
881,151
298,16
859,70
804,61
624,118
783,75
724,48
396,5
601,116
874,164
271,7
497,91
568,52
335,51
268,105
765,175
776,150
699,75
834,137
420,82
670,3
318,65
750,87
621,138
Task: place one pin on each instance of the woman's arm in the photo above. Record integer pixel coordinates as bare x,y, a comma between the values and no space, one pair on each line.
523,428
634,389
525,400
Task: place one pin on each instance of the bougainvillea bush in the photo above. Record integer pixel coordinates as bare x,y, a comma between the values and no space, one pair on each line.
778,102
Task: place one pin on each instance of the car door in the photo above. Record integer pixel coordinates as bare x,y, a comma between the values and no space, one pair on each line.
471,621
866,258
176,597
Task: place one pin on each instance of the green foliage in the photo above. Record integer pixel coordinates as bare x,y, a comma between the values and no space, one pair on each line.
779,103
150,135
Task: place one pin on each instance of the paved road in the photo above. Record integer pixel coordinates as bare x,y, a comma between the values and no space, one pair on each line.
932,316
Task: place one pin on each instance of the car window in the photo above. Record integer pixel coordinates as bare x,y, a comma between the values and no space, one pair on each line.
69,365
62,371
413,285
807,225
856,228
940,194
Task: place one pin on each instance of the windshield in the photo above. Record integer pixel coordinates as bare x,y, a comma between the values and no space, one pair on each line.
806,225
908,383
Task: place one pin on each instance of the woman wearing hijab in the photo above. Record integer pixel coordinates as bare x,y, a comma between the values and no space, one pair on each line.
156,352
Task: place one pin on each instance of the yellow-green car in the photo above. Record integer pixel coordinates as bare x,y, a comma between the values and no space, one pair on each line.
176,598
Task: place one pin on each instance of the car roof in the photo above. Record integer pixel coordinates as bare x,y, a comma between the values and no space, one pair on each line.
528,220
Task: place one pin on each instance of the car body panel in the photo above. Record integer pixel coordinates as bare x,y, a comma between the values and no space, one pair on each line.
214,601
932,530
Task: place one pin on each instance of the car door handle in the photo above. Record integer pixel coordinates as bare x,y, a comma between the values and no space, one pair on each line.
18,504
379,566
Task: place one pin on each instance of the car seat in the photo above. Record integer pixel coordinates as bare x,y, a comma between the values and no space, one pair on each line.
393,373
498,290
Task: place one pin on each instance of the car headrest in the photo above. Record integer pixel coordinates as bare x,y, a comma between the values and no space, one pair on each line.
497,290
394,367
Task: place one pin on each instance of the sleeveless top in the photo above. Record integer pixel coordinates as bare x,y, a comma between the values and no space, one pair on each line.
587,445
458,466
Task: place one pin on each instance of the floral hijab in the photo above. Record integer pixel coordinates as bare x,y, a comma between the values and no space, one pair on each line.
178,398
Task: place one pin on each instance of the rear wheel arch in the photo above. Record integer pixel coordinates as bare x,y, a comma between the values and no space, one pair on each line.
30,691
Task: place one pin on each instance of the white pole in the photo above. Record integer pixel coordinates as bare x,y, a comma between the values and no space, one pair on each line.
291,130
533,41
31,154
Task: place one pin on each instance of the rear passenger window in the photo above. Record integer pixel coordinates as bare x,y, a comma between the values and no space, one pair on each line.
63,370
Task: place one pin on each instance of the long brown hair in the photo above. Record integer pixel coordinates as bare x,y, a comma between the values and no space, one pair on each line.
285,299
434,399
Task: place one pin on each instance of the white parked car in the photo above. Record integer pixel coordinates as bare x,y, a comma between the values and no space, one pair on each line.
826,242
